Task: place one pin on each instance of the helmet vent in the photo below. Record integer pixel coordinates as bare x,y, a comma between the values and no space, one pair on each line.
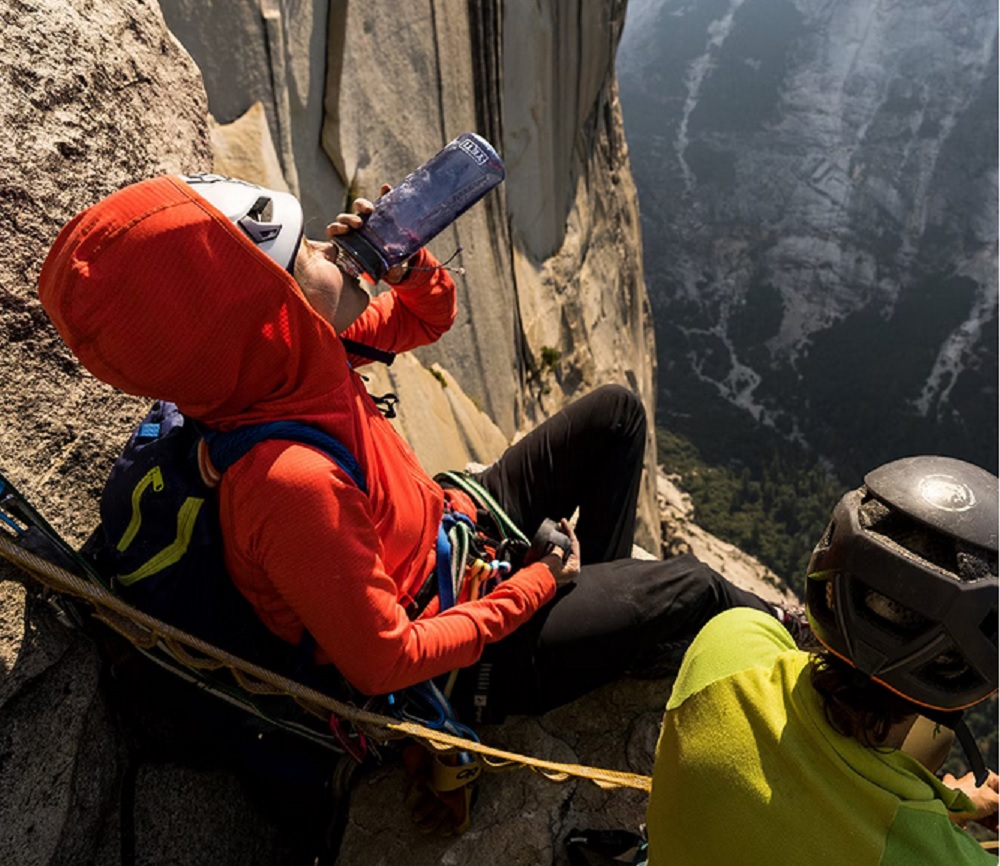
975,563
262,210
827,539
887,614
819,601
950,673
917,539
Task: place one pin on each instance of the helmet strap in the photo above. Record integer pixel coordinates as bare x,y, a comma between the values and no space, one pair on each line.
369,352
955,720
972,753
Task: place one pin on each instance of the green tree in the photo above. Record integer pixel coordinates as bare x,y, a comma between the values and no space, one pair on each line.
775,510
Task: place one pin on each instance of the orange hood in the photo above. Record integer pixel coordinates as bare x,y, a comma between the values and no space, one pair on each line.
160,295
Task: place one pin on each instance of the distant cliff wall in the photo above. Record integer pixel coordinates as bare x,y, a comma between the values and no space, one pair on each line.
820,178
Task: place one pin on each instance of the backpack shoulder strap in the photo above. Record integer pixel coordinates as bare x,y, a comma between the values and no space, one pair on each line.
226,448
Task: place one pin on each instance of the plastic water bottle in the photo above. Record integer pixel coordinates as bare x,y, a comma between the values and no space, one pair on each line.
421,206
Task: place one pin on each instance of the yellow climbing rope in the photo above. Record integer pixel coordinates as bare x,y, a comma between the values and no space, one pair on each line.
146,631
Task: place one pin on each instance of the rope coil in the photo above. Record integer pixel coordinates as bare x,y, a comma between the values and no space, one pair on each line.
145,631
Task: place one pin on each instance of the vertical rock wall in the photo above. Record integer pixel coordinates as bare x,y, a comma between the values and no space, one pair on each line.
94,97
404,86
553,301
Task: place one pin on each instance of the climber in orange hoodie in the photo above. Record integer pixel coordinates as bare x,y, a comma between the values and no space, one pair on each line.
238,319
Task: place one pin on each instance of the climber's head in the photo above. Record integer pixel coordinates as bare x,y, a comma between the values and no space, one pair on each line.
163,293
273,221
903,584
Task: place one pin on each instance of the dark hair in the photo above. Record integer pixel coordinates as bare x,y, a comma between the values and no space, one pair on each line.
855,705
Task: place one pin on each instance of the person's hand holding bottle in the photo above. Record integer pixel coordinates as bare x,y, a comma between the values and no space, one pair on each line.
343,223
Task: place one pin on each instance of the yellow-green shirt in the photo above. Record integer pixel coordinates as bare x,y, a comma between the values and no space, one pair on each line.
748,770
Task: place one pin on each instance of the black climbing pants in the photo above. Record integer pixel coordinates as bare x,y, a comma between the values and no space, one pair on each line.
587,456
620,615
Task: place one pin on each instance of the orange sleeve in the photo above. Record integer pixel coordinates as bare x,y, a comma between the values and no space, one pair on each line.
413,313
309,529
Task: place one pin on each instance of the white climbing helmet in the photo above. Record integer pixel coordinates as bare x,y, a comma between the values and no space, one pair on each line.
271,219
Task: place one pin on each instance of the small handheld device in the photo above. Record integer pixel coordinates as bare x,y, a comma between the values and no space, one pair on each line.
548,539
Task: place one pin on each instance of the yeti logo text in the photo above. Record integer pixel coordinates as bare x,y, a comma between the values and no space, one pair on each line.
471,148
946,493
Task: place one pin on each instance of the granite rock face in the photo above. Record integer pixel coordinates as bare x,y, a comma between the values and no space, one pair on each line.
61,758
95,95
552,302
820,179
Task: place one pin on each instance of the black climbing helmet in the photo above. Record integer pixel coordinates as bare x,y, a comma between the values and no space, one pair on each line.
903,584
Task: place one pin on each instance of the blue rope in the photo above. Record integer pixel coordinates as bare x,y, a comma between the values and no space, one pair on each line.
446,594
443,565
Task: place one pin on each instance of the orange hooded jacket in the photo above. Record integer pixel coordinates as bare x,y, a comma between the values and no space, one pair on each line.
160,295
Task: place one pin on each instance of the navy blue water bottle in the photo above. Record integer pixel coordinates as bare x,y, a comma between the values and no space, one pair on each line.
421,206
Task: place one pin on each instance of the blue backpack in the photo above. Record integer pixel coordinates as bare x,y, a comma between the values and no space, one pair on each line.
160,540
160,544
